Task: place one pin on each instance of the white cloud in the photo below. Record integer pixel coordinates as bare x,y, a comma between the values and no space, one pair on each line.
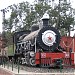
73,3
6,3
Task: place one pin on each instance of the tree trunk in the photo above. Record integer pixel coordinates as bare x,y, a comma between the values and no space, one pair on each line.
69,31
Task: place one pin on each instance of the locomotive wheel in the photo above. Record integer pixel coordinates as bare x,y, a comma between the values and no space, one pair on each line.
32,62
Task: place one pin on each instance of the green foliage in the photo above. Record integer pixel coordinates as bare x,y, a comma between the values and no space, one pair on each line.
10,50
41,8
13,14
9,37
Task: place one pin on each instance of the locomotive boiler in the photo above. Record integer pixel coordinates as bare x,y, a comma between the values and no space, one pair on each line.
40,46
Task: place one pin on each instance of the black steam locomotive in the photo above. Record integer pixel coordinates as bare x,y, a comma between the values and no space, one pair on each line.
28,43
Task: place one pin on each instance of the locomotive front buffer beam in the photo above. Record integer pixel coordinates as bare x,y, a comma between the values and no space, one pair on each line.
55,59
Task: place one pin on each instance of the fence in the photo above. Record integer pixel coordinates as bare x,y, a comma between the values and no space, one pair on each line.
10,63
46,63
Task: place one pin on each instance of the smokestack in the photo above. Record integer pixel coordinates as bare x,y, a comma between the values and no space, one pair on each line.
45,19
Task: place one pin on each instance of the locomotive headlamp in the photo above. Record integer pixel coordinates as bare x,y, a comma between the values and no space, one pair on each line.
48,38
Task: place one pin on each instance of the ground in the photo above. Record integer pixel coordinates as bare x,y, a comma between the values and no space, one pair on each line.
3,72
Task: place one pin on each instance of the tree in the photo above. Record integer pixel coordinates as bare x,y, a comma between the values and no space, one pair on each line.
62,16
24,15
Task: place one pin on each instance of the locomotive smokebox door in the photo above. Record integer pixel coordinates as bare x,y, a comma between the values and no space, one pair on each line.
48,38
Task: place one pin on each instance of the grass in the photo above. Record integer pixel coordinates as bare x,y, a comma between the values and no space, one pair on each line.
10,50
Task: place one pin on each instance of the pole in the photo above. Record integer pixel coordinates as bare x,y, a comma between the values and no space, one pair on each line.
70,55
12,64
73,45
35,45
58,22
8,63
18,65
4,61
13,44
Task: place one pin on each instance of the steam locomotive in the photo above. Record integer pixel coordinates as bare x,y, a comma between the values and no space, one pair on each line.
40,46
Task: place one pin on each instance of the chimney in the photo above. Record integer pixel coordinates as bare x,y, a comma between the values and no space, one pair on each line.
45,19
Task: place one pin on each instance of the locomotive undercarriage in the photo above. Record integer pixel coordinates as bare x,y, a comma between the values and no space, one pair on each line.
26,49
28,59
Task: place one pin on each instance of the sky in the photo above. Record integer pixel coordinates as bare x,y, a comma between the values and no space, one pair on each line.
6,3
